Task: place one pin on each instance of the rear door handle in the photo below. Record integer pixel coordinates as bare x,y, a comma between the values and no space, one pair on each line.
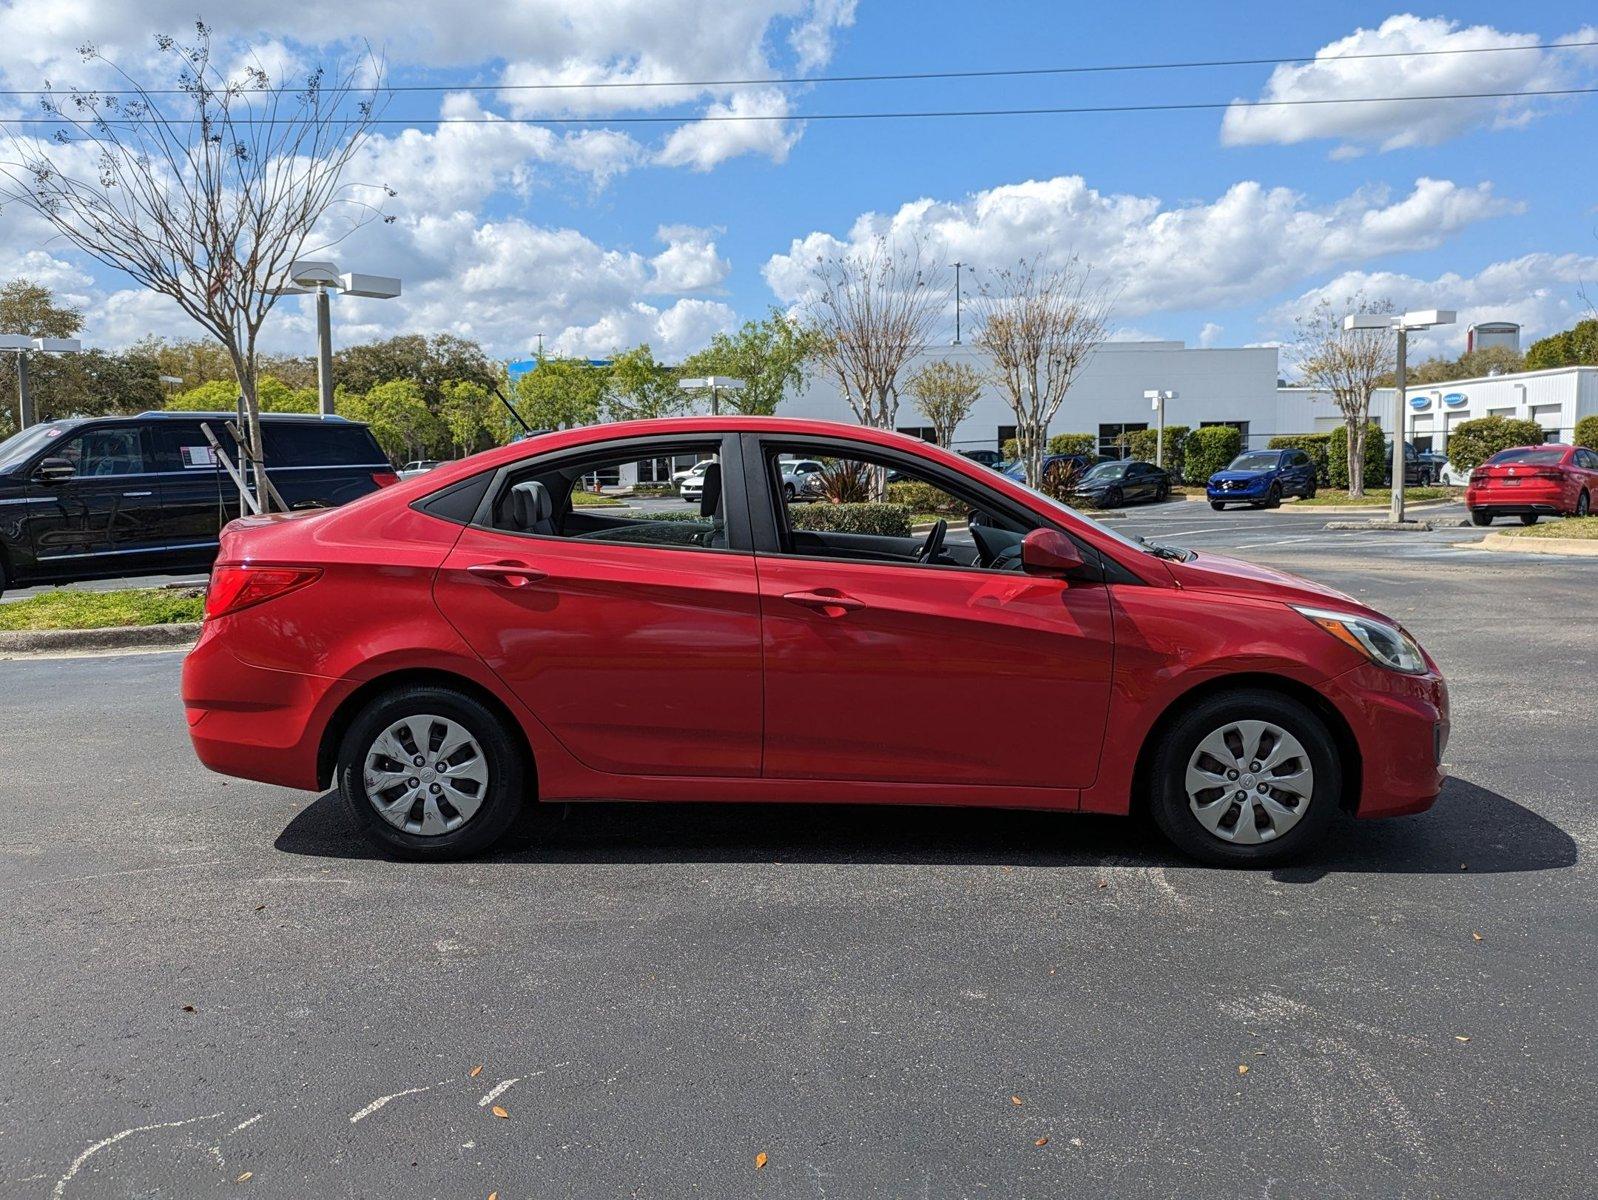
511,574
823,601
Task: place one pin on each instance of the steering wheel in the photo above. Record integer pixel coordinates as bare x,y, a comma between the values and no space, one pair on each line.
929,549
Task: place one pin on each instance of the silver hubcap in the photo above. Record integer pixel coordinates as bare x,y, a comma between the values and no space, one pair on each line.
1249,782
425,774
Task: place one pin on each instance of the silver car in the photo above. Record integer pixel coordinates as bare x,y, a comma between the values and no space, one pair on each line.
801,479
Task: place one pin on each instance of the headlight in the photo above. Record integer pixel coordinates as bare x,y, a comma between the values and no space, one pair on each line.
1384,644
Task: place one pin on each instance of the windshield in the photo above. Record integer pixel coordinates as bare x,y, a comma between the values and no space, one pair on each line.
1109,470
20,447
1528,455
1258,460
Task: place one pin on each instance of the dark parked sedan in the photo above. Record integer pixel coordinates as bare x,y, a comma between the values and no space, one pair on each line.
1113,483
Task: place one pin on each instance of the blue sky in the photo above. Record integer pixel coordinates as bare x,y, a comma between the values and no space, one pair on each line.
1215,227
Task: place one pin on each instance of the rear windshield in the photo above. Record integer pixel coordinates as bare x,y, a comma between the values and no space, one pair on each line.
1529,454
308,444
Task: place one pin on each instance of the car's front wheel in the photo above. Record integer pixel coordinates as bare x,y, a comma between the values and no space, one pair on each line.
1309,492
1528,518
1217,505
430,772
1273,498
1583,506
1246,778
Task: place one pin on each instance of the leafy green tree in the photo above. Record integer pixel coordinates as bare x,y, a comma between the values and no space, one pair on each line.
474,418
428,362
1587,432
399,418
1575,347
562,392
1472,443
221,395
769,355
1373,465
30,308
638,387
1210,448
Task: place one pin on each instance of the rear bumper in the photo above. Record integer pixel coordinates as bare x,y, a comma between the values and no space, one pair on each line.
254,722
1401,723
1524,498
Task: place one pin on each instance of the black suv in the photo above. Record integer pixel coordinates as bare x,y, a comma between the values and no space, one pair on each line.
107,496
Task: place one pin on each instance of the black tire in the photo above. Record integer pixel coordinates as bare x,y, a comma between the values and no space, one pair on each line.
1273,498
1309,492
1480,516
1217,505
1528,518
1583,507
1168,801
504,800
1164,494
1112,499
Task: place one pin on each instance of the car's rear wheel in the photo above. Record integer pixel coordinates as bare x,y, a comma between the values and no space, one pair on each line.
430,772
1309,492
1246,778
1528,518
1583,506
787,491
1480,517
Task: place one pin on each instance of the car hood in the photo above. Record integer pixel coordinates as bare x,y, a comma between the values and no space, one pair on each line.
1244,476
1218,573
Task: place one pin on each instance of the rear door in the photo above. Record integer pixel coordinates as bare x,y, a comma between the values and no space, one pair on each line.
634,639
197,495
105,519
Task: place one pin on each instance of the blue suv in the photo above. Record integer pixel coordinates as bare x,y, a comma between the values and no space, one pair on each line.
1260,478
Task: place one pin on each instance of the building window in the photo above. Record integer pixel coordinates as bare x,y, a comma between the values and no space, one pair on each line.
925,432
1006,434
1240,426
1110,438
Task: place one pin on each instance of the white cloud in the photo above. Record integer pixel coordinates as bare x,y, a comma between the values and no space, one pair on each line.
740,126
1244,245
1541,292
1334,75
689,263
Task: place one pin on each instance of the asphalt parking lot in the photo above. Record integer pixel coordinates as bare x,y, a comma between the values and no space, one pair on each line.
205,980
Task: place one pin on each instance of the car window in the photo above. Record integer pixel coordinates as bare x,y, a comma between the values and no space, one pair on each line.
320,444
98,452
19,447
854,512
605,497
1535,456
1588,459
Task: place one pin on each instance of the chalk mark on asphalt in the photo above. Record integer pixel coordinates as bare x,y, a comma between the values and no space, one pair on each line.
77,1163
38,883
382,1100
498,1090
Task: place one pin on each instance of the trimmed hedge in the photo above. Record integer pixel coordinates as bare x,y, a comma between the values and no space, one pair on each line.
1472,443
1144,444
1060,443
1587,432
924,497
885,520
1209,449
1375,456
1312,444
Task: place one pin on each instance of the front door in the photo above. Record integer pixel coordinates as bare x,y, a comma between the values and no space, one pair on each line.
634,638
958,669
105,518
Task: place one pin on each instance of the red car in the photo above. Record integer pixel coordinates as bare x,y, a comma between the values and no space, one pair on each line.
455,647
1533,481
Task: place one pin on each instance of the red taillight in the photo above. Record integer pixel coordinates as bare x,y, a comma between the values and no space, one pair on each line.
384,478
1554,474
236,587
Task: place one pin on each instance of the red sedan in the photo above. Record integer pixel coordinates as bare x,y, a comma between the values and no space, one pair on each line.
1533,481
457,647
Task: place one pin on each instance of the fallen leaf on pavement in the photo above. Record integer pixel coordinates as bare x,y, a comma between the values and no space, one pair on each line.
188,1008
244,1177
493,1196
1015,1099
1475,937
500,1113
1462,1037
260,907
477,1070
1242,1068
760,1160
1042,1141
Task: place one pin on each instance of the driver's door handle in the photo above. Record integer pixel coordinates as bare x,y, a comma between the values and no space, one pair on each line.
823,601
511,574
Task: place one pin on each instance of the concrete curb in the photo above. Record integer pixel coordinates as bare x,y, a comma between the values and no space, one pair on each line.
1350,510
119,637
1571,547
1383,526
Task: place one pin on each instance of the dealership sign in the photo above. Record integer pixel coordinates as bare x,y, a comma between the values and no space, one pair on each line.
1455,399
1421,402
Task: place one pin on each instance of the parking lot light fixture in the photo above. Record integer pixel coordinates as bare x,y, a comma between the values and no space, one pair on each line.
22,345
715,385
317,276
1425,318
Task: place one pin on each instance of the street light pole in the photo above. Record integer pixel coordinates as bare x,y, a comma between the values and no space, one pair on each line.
957,268
322,278
23,345
1159,397
714,384
324,352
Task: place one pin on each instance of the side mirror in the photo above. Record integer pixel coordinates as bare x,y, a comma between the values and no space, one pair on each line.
1049,552
54,470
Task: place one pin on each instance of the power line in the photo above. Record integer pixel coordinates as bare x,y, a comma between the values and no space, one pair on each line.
906,114
881,77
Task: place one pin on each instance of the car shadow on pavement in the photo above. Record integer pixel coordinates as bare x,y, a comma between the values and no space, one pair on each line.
1470,829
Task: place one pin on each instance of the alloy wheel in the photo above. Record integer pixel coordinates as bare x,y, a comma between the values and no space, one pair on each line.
425,774
1249,782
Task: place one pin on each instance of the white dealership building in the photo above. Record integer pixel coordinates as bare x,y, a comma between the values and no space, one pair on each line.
1226,386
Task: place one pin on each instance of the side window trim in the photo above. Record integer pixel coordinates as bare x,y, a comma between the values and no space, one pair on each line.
736,523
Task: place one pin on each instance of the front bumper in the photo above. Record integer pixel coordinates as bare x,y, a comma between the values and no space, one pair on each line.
1401,725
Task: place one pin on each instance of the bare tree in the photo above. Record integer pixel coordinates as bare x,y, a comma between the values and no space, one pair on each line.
872,311
944,394
1039,325
1347,365
206,191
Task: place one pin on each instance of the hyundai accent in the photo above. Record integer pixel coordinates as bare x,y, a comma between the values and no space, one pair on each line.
461,647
